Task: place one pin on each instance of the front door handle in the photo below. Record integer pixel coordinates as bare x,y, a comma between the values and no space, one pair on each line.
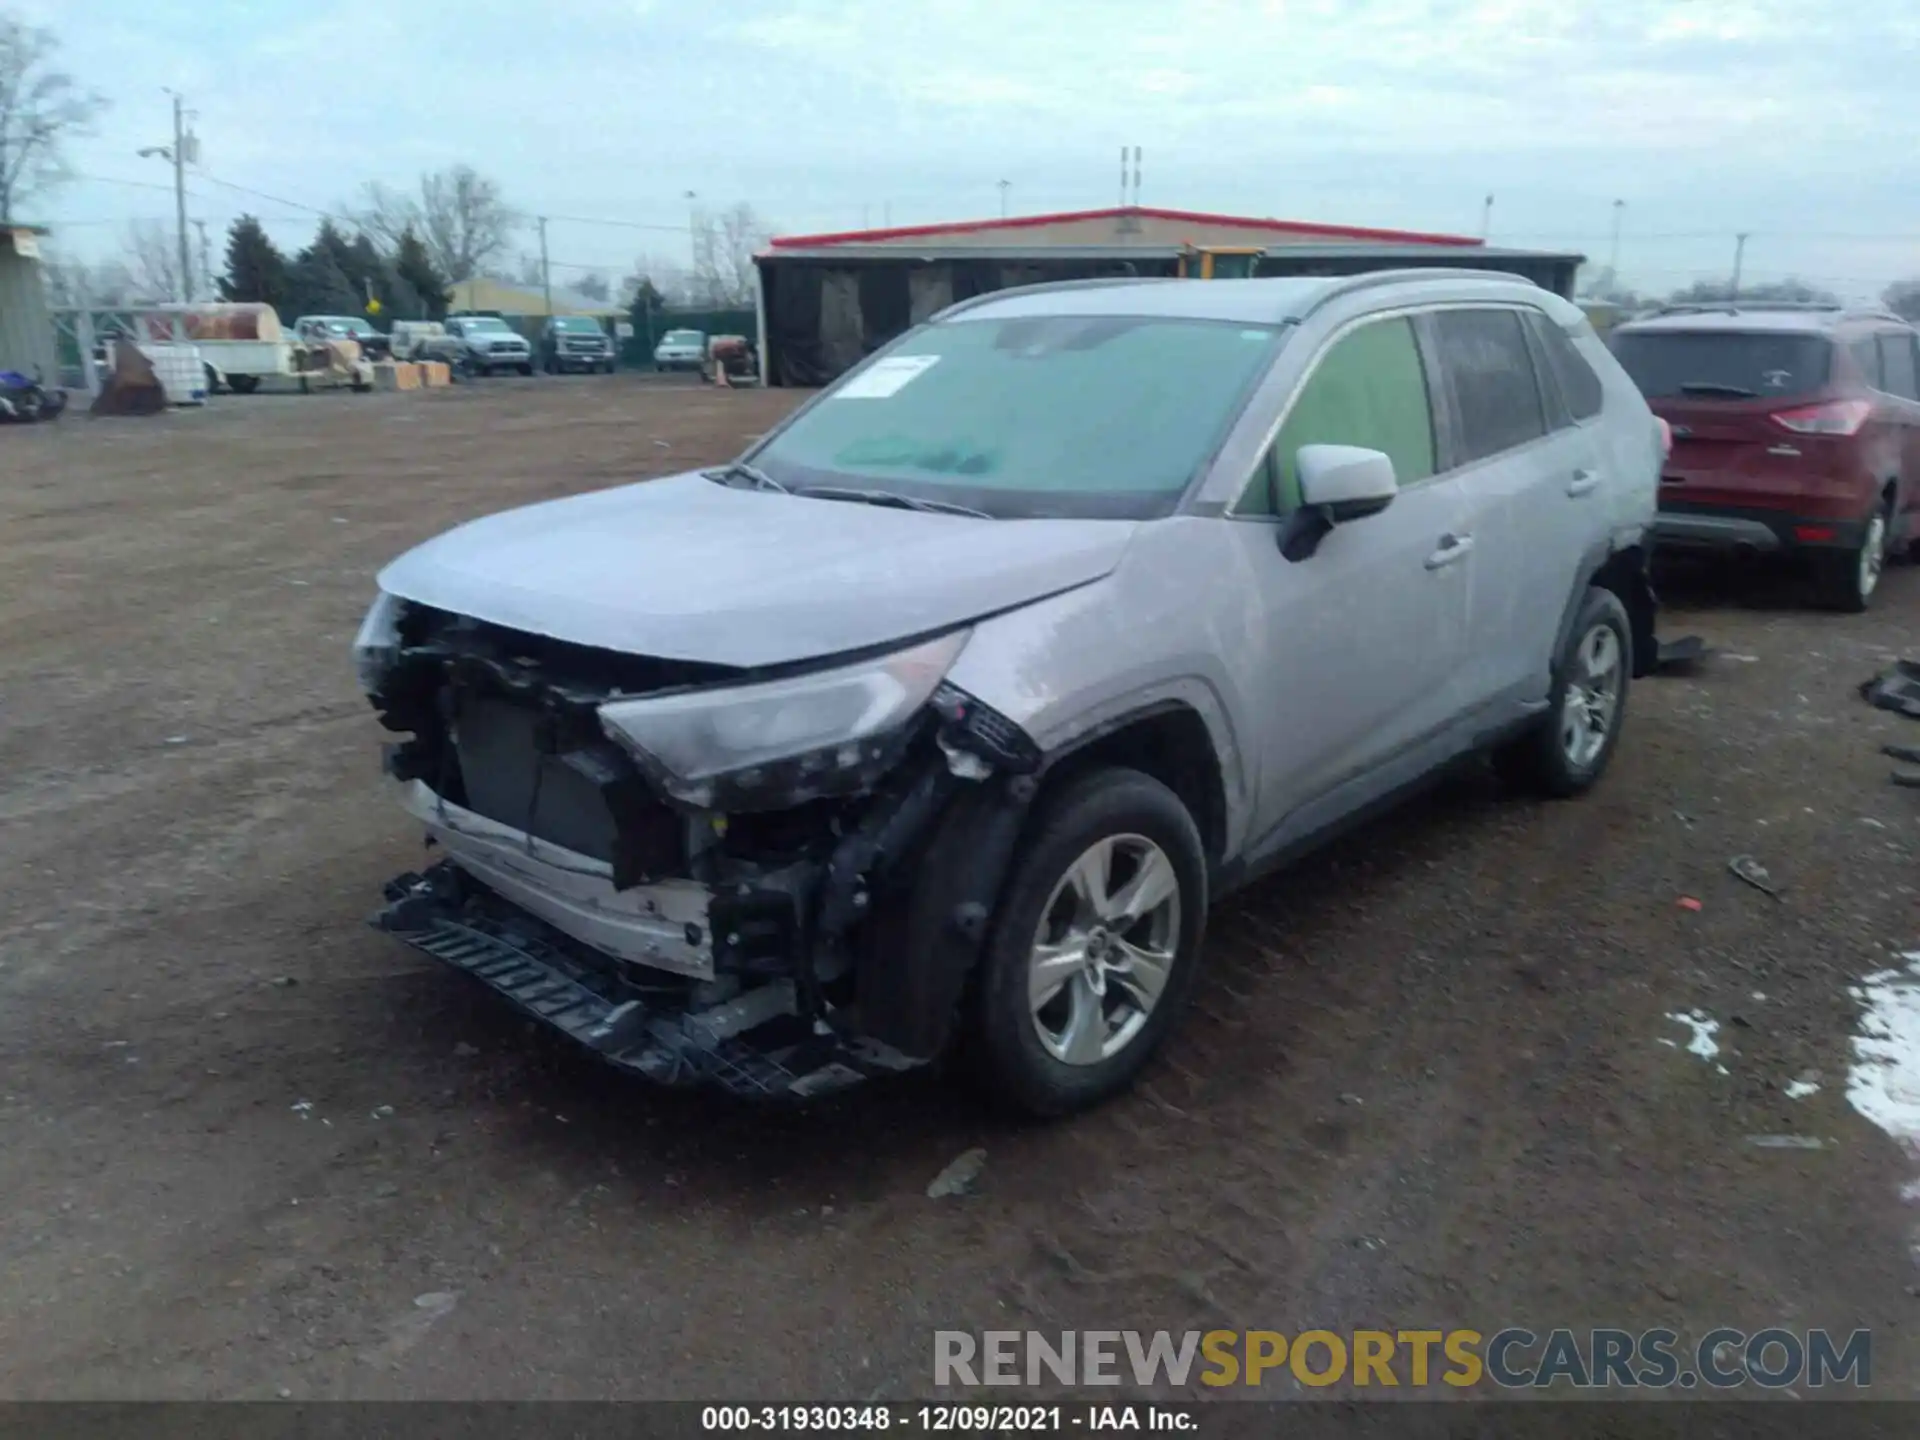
1452,548
1583,482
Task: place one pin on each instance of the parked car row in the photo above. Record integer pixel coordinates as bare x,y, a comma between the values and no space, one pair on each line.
937,720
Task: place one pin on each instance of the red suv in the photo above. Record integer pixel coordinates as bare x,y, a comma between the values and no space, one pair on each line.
1796,430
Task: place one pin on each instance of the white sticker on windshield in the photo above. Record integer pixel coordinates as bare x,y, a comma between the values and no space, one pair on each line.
886,377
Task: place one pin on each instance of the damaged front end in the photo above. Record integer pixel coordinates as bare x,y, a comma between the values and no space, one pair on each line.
773,881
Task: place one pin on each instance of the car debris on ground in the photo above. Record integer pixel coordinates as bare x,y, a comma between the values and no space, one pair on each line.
1752,872
959,1176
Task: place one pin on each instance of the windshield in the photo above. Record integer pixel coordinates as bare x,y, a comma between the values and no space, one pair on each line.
485,322
682,337
1084,416
1724,364
576,325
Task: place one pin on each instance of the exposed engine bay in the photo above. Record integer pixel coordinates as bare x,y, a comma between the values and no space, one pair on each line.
705,873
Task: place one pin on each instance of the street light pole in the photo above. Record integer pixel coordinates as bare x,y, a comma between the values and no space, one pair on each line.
1005,185
1739,255
1613,249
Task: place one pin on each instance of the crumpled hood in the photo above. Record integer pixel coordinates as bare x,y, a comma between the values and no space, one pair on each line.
688,569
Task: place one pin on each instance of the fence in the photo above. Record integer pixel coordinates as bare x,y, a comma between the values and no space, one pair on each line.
650,325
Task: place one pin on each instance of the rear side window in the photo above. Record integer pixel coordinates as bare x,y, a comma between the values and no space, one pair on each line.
1728,364
1897,368
1496,396
1866,354
1579,386
1369,389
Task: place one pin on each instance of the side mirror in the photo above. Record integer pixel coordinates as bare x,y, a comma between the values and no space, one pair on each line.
1345,481
1338,483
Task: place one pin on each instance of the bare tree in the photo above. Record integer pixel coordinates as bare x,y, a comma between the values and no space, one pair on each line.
76,285
1903,298
40,108
723,249
459,215
668,278
152,260
594,286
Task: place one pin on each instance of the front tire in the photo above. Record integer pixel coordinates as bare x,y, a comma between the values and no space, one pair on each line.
243,384
1566,751
1094,946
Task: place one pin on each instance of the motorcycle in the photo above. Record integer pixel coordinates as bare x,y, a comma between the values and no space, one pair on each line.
25,400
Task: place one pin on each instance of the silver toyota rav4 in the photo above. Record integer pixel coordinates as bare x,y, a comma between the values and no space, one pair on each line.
937,720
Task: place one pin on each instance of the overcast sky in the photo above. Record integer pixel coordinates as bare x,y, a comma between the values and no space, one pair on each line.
1798,122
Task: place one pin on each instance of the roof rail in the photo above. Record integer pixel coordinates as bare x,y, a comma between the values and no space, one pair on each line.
1097,282
1347,284
1798,307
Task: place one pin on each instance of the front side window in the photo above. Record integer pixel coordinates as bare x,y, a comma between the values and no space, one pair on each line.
1090,416
1368,389
1496,396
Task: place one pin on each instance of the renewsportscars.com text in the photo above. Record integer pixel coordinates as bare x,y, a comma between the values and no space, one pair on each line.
1511,1358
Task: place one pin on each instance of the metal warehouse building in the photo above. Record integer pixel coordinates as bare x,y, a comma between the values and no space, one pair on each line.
26,329
827,301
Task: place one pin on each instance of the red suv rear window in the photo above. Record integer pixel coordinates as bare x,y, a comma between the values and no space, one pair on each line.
1733,365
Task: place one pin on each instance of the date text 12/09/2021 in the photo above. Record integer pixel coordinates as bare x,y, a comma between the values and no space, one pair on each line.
949,1418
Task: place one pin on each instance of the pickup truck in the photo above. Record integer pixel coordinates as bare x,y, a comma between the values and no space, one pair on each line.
485,343
575,342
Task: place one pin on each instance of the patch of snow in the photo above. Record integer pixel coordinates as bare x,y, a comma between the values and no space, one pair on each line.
1704,1028
1800,1089
1883,1083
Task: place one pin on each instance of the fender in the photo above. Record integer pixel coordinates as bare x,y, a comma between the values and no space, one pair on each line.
1625,559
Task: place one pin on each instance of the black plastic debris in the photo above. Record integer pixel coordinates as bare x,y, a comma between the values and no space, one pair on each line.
1897,688
1679,657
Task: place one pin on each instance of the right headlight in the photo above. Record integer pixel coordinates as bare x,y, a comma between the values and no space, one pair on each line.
781,743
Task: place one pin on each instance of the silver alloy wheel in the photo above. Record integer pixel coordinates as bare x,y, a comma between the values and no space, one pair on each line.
1593,696
1104,949
1873,554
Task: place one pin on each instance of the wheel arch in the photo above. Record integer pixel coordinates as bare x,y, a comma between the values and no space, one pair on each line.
1168,740
1620,566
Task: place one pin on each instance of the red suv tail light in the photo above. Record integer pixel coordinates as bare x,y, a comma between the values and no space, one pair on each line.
1835,417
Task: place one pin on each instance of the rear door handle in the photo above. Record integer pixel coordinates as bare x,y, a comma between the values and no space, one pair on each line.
1583,482
1452,548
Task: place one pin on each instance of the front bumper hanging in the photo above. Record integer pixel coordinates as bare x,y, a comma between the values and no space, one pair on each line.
755,1044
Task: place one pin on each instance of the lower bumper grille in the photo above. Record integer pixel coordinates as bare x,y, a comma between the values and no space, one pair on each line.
650,1034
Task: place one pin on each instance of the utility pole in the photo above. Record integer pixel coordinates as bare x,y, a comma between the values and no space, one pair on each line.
1739,254
546,272
180,195
1005,185
178,154
1613,249
206,257
1486,218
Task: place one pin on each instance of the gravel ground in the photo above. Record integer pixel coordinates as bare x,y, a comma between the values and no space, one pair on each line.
252,1148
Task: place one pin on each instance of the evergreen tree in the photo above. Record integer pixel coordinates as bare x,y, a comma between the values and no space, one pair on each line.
413,266
256,270
317,282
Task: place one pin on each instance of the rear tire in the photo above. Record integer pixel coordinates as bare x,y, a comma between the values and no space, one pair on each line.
1566,751
243,384
1106,903
1847,580
526,369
